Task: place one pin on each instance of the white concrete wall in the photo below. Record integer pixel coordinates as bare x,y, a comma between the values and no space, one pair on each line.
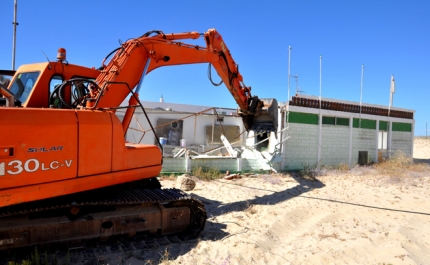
251,165
364,140
301,148
402,141
335,145
222,163
193,127
174,164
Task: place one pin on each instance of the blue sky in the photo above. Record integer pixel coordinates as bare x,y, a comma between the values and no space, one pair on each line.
388,37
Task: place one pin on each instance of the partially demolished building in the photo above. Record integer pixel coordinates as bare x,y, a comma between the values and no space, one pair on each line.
312,133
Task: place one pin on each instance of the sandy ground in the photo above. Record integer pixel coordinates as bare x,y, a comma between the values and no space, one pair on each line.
358,216
354,217
422,150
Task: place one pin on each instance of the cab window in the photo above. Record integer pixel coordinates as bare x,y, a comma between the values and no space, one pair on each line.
23,85
56,81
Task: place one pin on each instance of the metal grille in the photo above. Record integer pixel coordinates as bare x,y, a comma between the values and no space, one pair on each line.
213,134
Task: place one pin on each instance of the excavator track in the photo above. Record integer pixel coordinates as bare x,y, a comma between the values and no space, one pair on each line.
101,214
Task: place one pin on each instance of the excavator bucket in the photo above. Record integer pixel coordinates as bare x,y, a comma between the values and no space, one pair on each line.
264,118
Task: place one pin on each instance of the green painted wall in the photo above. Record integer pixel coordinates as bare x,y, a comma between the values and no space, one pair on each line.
402,127
328,120
342,121
365,124
383,126
306,118
335,121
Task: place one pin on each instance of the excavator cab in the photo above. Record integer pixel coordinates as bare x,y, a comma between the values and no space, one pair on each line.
32,85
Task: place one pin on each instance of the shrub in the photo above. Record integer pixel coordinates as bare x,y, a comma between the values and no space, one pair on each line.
206,173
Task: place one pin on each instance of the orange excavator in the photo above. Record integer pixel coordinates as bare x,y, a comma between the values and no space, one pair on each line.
66,172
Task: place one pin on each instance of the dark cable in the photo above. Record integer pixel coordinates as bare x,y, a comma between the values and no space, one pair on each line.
363,205
144,112
210,76
147,34
322,199
65,83
103,66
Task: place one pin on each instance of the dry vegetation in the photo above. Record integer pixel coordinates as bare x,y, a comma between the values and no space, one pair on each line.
398,166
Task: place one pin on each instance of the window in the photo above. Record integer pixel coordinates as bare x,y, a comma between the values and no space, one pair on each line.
335,121
329,120
342,121
23,85
382,140
170,129
55,81
213,133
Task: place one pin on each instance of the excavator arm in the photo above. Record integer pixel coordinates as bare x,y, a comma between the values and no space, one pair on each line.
138,57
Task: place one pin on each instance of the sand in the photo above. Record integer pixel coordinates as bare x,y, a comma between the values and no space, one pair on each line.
359,216
422,150
352,217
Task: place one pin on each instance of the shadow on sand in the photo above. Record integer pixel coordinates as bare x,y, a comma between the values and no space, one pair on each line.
123,250
214,231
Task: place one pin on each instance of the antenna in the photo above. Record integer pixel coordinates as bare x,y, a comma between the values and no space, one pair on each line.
298,89
14,33
48,60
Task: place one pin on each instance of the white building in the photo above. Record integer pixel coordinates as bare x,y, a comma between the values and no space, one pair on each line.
196,127
340,132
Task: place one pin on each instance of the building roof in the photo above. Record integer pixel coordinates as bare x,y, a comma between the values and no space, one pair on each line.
350,106
184,108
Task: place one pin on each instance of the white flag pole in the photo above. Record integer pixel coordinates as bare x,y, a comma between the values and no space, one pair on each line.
361,90
289,58
320,78
392,91
320,121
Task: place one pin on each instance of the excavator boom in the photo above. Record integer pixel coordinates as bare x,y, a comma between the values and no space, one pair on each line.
138,57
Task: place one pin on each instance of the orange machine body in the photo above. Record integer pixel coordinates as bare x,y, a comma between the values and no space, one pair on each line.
66,151
48,152
49,149
33,83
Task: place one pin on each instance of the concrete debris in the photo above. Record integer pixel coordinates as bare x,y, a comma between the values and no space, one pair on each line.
233,176
178,152
185,182
231,152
